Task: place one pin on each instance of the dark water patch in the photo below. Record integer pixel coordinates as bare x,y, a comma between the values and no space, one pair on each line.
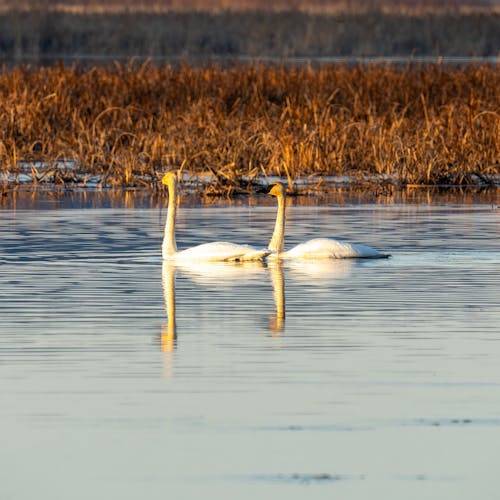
452,422
306,478
318,428
427,477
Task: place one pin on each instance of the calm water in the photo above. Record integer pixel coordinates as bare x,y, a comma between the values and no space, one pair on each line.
121,378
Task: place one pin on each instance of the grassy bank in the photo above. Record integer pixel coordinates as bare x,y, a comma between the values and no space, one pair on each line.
127,124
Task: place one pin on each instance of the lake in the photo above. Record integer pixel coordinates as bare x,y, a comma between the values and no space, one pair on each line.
124,378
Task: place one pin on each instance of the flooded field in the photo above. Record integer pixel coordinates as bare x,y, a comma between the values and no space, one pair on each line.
122,377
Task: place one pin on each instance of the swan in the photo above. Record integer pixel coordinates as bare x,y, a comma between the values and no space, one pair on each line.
207,252
318,248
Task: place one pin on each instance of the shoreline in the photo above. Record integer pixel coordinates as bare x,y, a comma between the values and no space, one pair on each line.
29,196
212,184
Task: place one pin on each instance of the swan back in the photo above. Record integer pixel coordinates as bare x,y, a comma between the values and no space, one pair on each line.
219,251
326,248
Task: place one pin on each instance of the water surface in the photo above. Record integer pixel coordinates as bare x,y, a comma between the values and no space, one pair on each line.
124,378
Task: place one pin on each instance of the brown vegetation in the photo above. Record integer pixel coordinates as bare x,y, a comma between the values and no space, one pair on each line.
414,125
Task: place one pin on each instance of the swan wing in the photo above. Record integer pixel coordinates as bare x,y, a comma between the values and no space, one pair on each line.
220,251
325,248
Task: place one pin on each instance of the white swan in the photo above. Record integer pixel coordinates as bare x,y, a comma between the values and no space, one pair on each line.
216,251
318,248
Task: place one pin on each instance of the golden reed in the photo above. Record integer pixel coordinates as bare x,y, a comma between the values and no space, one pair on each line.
418,124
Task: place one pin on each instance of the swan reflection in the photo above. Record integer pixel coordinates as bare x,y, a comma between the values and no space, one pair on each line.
314,272
223,274
220,273
168,336
226,274
302,272
277,322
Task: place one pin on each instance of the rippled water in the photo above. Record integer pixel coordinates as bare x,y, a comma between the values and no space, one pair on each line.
123,378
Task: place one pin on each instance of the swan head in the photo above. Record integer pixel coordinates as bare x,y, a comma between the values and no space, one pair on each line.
169,179
278,189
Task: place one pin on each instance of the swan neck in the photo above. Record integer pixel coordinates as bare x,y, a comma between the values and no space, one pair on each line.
169,246
278,239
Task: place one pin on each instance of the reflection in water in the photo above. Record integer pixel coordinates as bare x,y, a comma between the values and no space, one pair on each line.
220,273
168,332
354,356
277,322
303,272
316,271
227,273
223,274
31,198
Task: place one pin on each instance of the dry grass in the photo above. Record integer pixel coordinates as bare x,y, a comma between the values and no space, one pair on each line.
414,125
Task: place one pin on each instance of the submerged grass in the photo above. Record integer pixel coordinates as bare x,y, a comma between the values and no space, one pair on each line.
127,124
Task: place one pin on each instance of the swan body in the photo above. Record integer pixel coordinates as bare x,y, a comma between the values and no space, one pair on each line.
326,248
207,252
218,251
318,248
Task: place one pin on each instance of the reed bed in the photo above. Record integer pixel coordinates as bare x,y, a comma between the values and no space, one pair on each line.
123,126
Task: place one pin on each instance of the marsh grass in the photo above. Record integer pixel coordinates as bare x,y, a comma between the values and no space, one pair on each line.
127,124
